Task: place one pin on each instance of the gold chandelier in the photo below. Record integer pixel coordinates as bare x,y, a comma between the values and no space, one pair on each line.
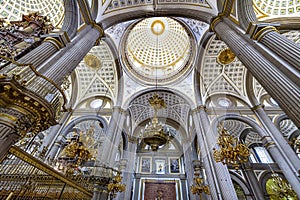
199,187
280,188
231,152
154,134
116,186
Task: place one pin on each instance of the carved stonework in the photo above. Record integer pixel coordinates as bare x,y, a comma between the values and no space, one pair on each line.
226,56
23,110
19,37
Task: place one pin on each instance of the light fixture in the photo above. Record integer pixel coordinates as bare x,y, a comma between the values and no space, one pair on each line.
199,186
116,186
154,134
73,155
280,188
231,152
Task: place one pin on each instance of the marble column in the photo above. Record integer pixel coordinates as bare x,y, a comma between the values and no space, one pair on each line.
288,154
280,87
54,132
246,13
252,181
55,148
279,44
188,160
113,137
8,137
67,62
217,174
128,173
281,161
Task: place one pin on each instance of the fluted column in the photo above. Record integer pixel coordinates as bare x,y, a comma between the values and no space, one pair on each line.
283,90
54,132
53,43
55,148
279,44
67,62
129,155
217,174
188,160
252,181
286,150
113,137
8,137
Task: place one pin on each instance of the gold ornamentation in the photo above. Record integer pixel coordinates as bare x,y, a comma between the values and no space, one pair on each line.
226,56
115,186
154,134
21,36
277,187
34,114
157,27
37,74
157,102
232,152
73,155
92,61
45,168
199,187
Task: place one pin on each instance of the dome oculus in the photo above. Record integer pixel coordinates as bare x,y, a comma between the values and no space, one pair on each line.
157,48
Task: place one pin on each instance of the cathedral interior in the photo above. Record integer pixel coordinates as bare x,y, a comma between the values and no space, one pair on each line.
150,99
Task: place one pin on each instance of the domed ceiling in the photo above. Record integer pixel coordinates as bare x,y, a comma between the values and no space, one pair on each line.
158,48
277,7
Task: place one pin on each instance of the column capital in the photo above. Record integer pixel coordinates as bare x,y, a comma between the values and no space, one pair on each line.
268,142
258,30
215,21
99,28
198,108
256,107
119,109
59,39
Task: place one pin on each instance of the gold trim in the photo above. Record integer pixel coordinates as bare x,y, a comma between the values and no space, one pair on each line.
202,107
215,21
86,9
261,33
269,144
30,65
157,32
98,27
16,151
55,42
225,5
256,107
10,117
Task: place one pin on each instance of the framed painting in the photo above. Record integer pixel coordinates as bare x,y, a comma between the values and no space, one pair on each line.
174,164
160,166
146,165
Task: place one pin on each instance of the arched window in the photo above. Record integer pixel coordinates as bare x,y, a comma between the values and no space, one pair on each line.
259,154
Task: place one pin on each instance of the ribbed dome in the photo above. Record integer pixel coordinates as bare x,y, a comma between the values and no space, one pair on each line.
278,7
158,47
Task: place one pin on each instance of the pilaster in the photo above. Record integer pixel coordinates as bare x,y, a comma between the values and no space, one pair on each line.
217,174
252,181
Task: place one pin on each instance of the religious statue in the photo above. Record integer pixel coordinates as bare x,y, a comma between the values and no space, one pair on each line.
160,195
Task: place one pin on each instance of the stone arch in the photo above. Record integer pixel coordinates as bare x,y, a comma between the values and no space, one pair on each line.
71,125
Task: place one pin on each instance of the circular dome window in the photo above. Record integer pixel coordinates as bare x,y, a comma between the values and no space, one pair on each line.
159,49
